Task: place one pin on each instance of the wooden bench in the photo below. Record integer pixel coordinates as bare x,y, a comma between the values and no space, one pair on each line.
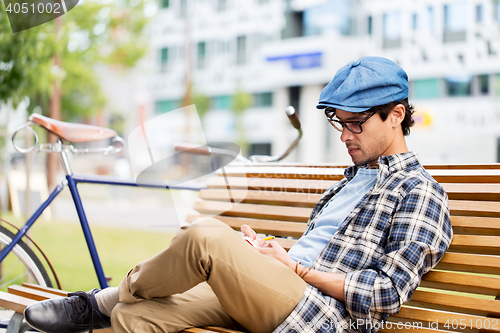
462,294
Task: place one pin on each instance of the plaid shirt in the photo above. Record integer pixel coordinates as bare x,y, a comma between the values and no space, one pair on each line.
397,232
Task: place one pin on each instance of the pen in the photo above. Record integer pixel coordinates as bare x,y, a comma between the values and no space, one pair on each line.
269,238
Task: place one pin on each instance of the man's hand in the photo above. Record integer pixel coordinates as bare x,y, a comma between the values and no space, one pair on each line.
274,250
249,232
331,284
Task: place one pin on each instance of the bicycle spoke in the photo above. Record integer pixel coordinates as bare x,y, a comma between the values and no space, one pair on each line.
8,272
11,268
14,279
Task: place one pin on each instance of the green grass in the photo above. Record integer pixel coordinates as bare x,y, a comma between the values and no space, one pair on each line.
119,251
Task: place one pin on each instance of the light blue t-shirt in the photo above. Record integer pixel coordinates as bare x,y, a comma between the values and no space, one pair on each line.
327,222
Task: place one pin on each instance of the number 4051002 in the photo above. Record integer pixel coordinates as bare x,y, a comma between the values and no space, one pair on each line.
40,8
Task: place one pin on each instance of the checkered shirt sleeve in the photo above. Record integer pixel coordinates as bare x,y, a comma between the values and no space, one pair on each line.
415,244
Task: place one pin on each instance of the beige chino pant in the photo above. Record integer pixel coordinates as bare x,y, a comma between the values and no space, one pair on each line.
209,275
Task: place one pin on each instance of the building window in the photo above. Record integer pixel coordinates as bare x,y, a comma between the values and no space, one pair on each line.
498,150
294,24
260,149
414,21
166,106
202,52
294,97
241,50
221,103
262,100
221,5
495,88
483,84
426,88
392,30
164,59
455,22
479,13
430,18
370,25
496,10
164,3
459,85
183,8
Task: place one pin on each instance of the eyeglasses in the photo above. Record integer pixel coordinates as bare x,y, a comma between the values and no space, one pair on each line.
353,126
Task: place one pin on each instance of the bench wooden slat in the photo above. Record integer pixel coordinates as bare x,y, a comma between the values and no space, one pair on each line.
282,197
423,329
281,185
474,208
288,173
335,174
456,191
462,166
286,243
466,262
475,244
31,293
46,289
480,177
294,214
463,282
455,303
475,225
480,192
268,227
440,318
280,165
14,302
262,197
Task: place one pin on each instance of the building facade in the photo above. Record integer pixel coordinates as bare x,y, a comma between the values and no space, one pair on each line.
283,52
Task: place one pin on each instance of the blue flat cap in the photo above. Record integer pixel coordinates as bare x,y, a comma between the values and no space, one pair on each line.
365,83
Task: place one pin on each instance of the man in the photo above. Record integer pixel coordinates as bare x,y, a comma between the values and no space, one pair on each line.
369,240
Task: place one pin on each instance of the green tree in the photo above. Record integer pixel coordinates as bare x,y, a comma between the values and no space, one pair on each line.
25,61
240,102
108,32
202,103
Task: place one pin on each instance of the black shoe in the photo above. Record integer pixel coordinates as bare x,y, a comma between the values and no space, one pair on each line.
76,313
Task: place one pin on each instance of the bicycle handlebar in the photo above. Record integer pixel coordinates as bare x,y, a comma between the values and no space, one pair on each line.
293,117
207,150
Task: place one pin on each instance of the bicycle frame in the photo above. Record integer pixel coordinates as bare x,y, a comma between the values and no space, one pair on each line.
71,181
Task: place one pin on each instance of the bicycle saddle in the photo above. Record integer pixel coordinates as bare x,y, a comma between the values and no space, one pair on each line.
72,132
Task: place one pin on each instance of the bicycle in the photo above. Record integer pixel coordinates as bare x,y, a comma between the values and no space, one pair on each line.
36,268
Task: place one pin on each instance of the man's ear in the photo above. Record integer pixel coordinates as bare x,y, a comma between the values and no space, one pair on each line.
397,115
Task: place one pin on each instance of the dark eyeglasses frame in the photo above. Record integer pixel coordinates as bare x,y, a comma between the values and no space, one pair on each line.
344,124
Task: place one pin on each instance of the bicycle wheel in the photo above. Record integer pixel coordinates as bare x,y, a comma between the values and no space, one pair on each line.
21,264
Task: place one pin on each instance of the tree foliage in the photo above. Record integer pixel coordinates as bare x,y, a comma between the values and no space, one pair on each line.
25,61
240,102
95,31
202,103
